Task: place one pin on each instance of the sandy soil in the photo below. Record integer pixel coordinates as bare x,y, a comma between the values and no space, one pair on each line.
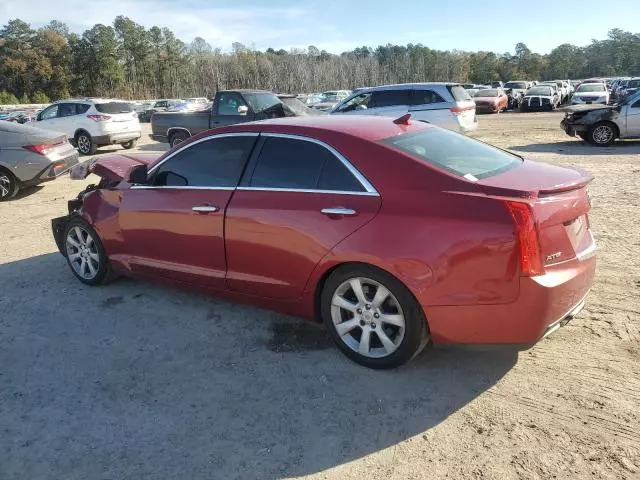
134,380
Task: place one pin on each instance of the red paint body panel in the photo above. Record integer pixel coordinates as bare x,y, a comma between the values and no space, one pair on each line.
451,241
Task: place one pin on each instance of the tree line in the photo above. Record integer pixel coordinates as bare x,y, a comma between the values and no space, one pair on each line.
126,60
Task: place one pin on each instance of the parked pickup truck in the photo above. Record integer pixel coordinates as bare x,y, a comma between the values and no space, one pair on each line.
229,107
601,124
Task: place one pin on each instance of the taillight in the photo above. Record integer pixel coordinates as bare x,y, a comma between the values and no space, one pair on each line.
527,238
41,149
456,110
99,118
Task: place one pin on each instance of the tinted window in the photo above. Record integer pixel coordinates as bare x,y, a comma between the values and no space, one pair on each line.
359,102
636,104
336,176
115,107
261,101
213,163
67,109
228,103
49,113
458,93
82,108
389,98
455,153
422,97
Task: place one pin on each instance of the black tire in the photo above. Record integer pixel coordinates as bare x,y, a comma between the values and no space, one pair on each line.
129,145
597,136
75,230
177,138
9,185
85,144
410,343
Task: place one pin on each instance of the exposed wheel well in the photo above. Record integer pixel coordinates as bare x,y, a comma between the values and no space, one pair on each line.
172,131
79,131
320,285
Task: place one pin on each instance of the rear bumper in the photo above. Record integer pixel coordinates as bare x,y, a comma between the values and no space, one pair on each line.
544,304
52,171
115,138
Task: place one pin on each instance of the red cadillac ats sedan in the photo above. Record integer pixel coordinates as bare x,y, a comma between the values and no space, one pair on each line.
394,233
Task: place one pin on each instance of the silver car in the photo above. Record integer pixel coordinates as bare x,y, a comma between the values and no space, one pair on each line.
30,156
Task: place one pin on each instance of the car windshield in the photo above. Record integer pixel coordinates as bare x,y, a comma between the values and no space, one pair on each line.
115,107
260,101
486,93
515,85
455,153
591,87
544,91
330,97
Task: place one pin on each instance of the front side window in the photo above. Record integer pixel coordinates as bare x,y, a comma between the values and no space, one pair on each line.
301,165
217,162
49,113
389,98
229,102
455,153
67,110
359,102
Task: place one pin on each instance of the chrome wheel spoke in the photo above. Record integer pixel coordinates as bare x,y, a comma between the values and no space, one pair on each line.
356,286
364,342
74,256
92,267
342,302
72,241
397,320
83,266
345,327
381,295
388,345
79,236
95,257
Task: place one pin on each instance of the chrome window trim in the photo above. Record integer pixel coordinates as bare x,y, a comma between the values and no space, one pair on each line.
353,170
200,140
303,190
171,187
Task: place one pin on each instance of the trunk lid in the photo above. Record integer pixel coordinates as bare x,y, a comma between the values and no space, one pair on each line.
560,203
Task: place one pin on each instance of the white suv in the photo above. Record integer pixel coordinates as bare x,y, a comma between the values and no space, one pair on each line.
447,105
92,122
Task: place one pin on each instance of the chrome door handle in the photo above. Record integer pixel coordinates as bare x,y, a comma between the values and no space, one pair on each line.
341,211
205,208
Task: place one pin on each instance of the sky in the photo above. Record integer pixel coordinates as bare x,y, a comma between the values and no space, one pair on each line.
339,25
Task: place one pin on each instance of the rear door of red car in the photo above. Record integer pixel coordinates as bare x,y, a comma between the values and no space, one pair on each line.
174,227
298,199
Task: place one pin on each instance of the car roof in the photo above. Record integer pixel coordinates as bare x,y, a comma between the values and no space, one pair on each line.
366,127
91,100
406,86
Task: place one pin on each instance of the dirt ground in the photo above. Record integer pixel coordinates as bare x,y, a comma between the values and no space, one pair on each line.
134,380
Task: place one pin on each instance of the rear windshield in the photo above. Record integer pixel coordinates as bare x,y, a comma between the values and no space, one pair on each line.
115,107
459,93
515,85
540,91
455,153
486,93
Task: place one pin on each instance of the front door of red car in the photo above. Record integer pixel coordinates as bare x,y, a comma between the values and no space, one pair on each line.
298,199
174,227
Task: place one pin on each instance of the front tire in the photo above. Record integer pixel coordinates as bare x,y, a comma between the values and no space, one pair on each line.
372,317
129,145
85,144
85,254
601,134
9,185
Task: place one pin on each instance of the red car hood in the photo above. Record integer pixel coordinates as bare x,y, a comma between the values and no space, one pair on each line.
113,167
532,179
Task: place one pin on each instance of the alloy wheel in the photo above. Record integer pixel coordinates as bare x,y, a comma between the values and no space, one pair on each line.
82,253
602,134
367,317
5,185
84,144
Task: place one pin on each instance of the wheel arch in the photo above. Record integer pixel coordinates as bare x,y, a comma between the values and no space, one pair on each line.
173,130
79,131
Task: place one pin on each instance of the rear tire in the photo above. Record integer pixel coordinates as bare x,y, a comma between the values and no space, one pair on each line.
177,138
130,145
9,185
374,333
85,254
85,144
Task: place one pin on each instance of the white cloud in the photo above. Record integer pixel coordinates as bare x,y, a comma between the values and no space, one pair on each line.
219,26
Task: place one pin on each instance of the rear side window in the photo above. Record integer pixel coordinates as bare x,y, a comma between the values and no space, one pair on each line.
455,153
458,93
302,165
424,97
115,107
217,162
389,98
82,108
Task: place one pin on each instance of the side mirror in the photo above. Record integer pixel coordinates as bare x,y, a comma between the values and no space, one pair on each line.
138,175
243,110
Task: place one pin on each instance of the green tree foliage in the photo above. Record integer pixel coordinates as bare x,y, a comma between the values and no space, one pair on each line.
129,61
